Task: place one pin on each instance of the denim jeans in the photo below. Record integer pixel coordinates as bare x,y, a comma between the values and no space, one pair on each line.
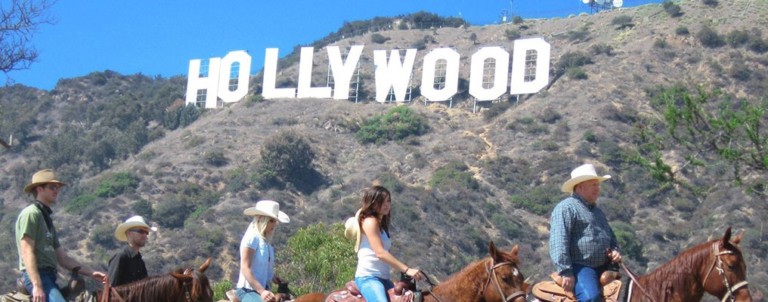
374,289
587,287
48,276
248,295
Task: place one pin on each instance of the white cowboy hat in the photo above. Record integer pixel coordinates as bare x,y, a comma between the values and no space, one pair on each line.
42,177
269,208
130,223
581,174
352,229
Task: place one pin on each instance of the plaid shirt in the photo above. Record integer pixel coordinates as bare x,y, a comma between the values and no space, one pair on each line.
579,233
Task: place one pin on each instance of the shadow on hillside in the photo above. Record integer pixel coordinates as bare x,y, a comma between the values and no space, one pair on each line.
310,181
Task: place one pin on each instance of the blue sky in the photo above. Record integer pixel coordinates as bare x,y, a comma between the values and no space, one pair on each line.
159,37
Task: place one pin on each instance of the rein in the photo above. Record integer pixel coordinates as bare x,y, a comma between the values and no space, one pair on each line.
634,279
492,275
718,263
432,285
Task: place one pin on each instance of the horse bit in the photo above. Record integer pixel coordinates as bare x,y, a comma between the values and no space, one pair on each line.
492,275
718,263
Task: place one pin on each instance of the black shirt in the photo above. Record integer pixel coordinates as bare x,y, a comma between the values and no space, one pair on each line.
126,267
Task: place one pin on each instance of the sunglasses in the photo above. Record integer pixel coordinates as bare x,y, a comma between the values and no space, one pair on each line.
54,188
143,232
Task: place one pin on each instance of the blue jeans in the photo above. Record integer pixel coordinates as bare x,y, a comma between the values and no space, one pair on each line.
248,295
374,289
48,276
587,287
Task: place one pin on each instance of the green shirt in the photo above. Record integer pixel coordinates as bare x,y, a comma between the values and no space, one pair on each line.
31,223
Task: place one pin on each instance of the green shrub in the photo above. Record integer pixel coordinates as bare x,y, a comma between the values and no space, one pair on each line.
577,73
378,38
512,34
117,184
495,110
287,156
142,207
710,38
682,31
737,38
758,45
220,289
630,245
397,124
712,3
172,213
622,22
660,43
454,174
672,9
570,60
601,48
317,258
580,34
103,235
215,158
81,203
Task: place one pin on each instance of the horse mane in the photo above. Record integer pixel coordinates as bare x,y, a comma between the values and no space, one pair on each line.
678,272
163,287
476,271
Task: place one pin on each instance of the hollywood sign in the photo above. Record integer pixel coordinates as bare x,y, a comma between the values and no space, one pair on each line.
392,73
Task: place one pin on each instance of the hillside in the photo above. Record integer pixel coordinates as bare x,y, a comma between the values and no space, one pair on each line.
609,76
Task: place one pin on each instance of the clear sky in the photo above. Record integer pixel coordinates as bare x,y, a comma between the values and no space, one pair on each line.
159,37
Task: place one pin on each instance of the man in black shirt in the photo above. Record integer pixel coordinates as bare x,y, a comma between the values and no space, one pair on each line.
126,266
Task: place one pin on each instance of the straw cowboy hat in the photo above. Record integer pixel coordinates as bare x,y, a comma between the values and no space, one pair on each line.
42,177
581,174
269,208
352,229
130,223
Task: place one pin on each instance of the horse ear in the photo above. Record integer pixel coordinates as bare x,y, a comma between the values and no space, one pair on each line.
182,277
515,249
205,265
737,239
727,236
492,250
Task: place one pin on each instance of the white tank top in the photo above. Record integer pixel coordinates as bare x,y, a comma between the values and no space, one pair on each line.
367,262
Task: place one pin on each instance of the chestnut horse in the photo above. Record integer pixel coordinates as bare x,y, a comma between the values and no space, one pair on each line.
716,267
178,286
495,278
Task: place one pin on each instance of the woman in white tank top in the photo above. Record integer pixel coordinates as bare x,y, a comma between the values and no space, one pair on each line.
373,258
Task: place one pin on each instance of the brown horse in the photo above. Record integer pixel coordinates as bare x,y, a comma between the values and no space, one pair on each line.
178,286
716,267
493,279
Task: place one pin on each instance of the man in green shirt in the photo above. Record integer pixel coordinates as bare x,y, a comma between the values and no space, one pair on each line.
38,244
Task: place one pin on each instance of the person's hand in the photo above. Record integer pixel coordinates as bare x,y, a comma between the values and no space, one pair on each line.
615,256
568,282
268,296
414,273
99,276
38,294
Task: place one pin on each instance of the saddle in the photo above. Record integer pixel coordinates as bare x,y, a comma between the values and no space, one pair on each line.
402,292
552,291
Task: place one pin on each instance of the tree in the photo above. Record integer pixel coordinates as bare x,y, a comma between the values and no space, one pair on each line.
19,20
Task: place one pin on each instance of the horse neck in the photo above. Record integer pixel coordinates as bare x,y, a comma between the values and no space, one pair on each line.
464,285
680,278
154,288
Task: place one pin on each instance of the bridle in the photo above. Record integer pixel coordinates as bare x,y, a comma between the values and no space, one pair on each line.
718,263
491,269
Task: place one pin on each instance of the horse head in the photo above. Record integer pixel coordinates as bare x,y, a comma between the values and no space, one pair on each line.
195,284
726,273
508,283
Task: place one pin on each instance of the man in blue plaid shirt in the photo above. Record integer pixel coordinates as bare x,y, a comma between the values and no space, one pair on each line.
581,243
